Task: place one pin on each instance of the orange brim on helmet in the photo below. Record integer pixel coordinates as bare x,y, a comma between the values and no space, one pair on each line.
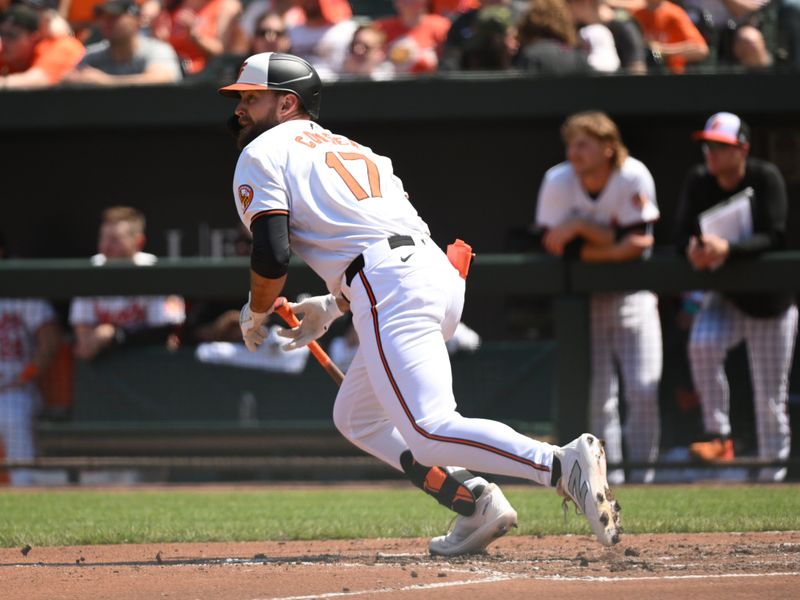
232,90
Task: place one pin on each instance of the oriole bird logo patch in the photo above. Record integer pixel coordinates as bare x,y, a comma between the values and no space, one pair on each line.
245,196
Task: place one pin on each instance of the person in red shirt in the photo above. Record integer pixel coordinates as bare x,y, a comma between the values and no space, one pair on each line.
452,8
27,58
200,30
671,35
414,37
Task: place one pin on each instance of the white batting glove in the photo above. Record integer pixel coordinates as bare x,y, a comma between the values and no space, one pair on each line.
317,312
252,324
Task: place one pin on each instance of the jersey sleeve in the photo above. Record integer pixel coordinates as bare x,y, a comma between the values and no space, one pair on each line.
638,202
258,188
81,312
554,205
37,313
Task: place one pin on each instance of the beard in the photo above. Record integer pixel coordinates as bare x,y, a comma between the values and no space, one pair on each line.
249,132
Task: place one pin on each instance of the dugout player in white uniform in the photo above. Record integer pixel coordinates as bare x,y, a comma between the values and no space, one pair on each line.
100,322
340,207
29,338
767,322
599,206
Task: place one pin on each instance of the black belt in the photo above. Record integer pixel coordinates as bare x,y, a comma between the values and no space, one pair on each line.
354,267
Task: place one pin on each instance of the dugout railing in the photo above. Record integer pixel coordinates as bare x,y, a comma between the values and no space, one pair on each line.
275,450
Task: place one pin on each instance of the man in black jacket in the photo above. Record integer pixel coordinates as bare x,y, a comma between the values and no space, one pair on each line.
767,322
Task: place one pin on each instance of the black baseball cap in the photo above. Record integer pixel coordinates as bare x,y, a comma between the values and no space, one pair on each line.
117,7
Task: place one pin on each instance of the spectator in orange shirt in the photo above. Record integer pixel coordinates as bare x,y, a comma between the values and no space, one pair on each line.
27,58
414,37
200,30
453,8
671,35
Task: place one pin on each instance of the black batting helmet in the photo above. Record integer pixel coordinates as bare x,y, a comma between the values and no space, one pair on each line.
279,72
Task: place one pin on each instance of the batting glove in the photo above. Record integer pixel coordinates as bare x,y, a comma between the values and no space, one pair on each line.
252,324
318,312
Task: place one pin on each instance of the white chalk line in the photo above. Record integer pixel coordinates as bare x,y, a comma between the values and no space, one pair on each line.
510,577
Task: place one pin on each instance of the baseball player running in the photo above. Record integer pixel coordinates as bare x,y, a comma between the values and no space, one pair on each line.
340,207
599,206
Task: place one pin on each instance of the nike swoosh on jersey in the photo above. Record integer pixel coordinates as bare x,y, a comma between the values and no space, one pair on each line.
404,259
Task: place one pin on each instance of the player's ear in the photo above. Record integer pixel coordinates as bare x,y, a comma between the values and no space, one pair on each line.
289,102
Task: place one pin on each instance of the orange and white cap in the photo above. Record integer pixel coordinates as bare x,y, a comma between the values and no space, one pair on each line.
726,128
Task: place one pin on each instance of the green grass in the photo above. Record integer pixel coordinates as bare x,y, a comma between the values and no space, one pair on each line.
77,517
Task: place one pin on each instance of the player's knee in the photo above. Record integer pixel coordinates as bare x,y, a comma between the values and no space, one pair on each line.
424,450
341,419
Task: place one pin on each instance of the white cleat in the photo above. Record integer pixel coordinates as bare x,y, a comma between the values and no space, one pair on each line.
583,480
493,518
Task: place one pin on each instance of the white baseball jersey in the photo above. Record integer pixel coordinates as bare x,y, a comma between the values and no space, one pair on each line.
340,196
343,200
629,197
625,327
19,321
128,312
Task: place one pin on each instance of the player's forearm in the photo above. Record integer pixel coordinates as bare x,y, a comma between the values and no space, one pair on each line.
610,253
594,233
86,343
264,291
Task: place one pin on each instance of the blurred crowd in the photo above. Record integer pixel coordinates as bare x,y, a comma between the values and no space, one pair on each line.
130,42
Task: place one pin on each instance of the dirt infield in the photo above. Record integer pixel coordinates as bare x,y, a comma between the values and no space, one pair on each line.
673,566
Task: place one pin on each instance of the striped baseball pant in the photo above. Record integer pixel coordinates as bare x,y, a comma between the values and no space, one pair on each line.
18,406
718,327
626,335
398,392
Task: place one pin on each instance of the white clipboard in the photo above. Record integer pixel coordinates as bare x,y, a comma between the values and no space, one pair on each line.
732,219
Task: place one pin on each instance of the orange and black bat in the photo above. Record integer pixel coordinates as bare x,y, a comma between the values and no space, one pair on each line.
285,311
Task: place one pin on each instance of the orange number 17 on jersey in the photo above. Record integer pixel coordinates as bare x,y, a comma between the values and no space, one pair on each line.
335,163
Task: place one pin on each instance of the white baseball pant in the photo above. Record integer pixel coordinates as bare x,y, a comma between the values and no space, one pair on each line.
397,393
718,327
626,334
